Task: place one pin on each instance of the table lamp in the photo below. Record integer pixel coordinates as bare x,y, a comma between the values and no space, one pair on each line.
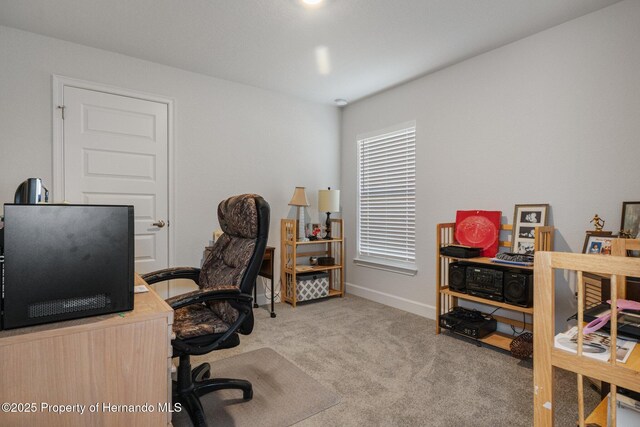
299,199
328,201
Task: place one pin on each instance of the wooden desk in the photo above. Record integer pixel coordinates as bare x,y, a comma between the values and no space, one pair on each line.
266,271
114,359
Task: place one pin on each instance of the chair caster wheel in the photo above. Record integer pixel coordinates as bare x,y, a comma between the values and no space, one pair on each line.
273,315
202,372
247,394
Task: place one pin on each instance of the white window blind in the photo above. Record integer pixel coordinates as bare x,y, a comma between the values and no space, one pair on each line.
387,196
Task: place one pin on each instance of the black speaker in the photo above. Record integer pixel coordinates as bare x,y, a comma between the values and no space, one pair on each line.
518,288
457,277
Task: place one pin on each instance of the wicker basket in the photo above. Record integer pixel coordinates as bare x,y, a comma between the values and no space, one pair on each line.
522,346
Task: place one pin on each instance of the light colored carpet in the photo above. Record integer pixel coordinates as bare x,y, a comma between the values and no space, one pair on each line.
282,393
391,369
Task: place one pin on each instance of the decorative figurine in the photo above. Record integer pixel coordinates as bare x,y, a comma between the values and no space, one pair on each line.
315,232
625,234
598,222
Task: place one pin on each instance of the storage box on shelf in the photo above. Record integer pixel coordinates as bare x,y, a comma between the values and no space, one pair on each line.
447,298
295,290
312,285
547,357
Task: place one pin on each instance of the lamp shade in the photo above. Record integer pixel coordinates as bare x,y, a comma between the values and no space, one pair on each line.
299,198
329,200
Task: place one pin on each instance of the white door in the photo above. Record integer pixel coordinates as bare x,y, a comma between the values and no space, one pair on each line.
116,152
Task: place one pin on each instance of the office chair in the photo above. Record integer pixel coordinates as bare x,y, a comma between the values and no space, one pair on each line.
211,317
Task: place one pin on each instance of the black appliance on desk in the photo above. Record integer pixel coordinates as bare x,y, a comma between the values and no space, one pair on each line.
31,192
66,261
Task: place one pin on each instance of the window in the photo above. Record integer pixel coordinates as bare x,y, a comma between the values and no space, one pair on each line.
387,199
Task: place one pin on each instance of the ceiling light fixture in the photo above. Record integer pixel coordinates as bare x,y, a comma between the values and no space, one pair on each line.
340,102
312,2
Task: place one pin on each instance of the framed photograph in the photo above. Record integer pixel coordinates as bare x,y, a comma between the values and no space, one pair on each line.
525,220
524,247
598,242
526,232
630,218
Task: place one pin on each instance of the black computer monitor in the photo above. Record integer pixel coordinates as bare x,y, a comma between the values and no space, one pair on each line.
66,261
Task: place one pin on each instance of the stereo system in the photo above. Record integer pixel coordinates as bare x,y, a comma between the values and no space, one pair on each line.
485,282
494,283
459,251
518,288
470,323
457,277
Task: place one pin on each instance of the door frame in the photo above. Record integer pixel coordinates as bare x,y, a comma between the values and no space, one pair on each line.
58,84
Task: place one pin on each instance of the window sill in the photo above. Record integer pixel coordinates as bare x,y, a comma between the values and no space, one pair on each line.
401,268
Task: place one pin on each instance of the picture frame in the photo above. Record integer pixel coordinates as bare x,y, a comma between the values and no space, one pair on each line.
525,219
630,218
598,242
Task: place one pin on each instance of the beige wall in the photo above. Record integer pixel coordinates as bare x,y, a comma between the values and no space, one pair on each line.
553,118
230,138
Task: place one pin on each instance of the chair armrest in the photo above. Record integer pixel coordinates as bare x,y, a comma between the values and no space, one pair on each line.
190,273
230,293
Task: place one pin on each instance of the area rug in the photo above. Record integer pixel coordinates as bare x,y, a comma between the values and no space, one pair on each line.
282,393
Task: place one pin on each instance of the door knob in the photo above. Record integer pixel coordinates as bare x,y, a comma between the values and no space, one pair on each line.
159,224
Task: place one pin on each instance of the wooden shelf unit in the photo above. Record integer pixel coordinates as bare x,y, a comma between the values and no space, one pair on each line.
447,298
291,250
303,269
547,358
599,415
487,261
447,291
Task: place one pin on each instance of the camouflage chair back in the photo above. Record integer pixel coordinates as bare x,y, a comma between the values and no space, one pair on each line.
211,317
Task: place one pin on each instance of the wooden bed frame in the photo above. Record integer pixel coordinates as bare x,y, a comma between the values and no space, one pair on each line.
546,358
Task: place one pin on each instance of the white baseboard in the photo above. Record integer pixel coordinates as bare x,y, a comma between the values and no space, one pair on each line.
394,301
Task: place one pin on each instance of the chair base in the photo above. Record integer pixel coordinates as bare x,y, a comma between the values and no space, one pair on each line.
193,384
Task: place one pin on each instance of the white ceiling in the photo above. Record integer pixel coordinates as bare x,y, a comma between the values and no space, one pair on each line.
342,49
